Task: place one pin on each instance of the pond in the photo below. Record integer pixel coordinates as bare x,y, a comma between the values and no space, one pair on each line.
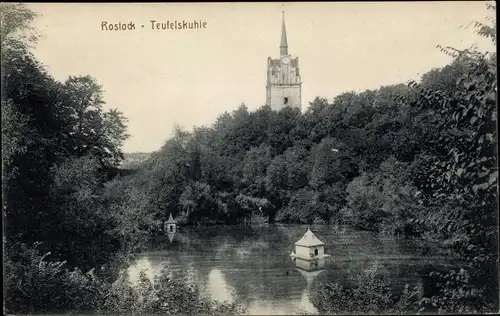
253,265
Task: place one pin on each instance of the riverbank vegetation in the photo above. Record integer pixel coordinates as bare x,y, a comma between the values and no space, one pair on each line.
413,160
66,236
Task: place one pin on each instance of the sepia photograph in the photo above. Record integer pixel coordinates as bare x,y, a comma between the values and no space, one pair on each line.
264,158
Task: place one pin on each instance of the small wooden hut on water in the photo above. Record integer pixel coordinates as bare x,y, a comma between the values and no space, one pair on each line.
170,226
309,247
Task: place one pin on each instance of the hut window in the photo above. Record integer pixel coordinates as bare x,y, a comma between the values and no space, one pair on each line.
285,101
315,252
172,229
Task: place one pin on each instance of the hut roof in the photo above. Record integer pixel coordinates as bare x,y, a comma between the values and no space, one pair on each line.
171,220
309,240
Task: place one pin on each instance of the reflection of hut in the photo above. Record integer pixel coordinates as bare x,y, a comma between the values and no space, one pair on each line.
309,247
310,265
310,269
171,236
170,225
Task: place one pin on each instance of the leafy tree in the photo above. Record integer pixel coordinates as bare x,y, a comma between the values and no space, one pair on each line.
383,198
17,32
332,163
303,207
254,170
41,117
91,129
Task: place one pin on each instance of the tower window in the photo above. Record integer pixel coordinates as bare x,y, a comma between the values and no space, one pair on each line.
285,101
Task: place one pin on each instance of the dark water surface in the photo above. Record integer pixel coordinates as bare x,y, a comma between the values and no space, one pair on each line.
253,264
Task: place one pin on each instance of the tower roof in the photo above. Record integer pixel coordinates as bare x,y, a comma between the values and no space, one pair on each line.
171,220
309,240
284,43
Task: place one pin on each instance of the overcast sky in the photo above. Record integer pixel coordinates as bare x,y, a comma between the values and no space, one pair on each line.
189,77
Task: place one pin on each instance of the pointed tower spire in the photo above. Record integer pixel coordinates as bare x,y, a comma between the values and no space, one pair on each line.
284,44
171,219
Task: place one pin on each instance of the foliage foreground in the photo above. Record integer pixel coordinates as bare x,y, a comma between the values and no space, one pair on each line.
37,285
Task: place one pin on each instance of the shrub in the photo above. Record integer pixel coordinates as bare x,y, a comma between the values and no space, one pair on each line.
370,294
36,284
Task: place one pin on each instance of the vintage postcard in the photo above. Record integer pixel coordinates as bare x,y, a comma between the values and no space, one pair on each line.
249,158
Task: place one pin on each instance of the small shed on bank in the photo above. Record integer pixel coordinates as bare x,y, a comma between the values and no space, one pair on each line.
309,247
170,225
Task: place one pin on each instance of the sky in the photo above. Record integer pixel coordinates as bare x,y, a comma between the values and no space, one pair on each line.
159,78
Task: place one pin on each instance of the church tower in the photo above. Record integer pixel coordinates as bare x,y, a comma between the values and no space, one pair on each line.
283,78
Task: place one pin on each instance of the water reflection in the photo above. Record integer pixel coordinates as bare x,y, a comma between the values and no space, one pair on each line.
142,264
171,236
217,286
253,264
309,265
309,269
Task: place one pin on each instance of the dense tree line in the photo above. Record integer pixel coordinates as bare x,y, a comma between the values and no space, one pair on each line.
59,144
411,160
